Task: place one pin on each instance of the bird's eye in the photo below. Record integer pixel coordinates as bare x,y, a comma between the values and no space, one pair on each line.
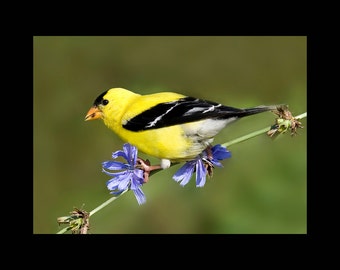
105,102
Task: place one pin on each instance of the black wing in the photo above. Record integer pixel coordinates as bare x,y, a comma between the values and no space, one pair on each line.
181,111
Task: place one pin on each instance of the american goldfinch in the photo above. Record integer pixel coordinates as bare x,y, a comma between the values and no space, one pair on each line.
169,126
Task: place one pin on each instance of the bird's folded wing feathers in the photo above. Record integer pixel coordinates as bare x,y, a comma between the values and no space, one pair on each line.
180,111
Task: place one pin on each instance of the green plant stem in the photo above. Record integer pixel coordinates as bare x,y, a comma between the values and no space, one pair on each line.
227,144
246,137
63,230
303,115
256,133
106,203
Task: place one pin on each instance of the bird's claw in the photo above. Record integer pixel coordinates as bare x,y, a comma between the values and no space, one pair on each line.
207,161
208,166
146,166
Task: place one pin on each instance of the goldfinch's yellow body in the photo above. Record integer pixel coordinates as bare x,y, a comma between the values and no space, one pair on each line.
166,125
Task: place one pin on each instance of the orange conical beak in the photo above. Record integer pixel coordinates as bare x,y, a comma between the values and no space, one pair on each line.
93,113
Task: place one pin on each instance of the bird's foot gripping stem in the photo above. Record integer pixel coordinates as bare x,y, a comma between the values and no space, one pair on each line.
147,168
207,161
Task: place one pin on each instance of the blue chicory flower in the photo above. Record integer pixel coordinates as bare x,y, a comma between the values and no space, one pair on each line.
129,177
219,153
184,174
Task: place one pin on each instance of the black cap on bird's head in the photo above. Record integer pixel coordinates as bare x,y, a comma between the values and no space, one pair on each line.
95,111
99,99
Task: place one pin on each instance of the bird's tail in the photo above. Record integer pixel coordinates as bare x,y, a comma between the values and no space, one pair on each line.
229,112
257,109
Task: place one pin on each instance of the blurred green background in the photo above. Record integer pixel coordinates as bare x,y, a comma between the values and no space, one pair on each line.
260,190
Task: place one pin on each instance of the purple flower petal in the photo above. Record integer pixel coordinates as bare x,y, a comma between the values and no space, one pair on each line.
139,195
117,192
219,152
124,182
119,153
185,172
200,173
216,163
129,177
138,176
131,153
112,174
113,183
115,165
